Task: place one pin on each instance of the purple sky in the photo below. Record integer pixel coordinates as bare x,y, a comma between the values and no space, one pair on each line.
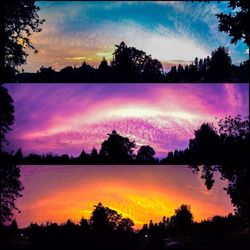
66,118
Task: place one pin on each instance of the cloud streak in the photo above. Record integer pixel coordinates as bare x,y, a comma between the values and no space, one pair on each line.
66,118
88,31
138,192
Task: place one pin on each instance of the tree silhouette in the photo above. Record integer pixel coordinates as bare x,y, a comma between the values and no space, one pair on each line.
117,149
10,186
21,19
83,157
145,154
204,146
99,220
131,64
204,149
225,150
234,137
45,73
6,114
106,222
236,22
126,224
183,219
217,68
220,65
122,62
18,156
94,157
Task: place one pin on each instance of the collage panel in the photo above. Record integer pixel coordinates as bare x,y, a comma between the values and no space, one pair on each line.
126,41
125,125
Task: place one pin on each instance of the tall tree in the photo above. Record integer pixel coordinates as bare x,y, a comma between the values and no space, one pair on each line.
6,114
145,154
227,151
117,149
21,20
204,145
182,219
220,65
131,64
10,185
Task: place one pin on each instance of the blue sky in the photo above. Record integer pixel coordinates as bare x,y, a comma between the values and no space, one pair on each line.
172,32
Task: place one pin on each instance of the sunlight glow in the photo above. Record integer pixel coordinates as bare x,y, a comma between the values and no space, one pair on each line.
138,192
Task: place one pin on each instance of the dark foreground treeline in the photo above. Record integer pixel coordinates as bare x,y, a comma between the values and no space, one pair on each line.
227,144
115,150
132,65
106,229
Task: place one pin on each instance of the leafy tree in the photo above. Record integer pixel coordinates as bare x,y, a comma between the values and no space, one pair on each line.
126,224
220,65
10,187
104,220
103,65
6,114
236,23
227,152
46,74
234,137
182,219
117,149
204,146
99,220
121,61
131,64
21,19
18,156
83,156
152,70
145,154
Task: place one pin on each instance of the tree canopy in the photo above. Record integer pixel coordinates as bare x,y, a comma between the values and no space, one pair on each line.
103,219
6,114
236,22
117,149
145,154
225,150
21,20
182,219
10,188
10,185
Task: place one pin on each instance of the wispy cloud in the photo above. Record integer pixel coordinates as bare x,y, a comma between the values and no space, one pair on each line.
65,118
179,31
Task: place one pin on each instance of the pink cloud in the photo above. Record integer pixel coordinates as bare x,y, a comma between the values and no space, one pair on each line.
65,118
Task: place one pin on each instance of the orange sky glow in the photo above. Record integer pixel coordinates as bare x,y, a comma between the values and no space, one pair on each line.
58,193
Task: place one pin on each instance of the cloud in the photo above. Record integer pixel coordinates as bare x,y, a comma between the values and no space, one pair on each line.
74,32
162,44
138,192
66,118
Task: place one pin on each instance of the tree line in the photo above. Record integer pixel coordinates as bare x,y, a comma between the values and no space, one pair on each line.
107,229
116,149
222,147
225,143
132,65
21,20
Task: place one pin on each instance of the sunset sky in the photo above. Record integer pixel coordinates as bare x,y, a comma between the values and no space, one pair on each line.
67,118
173,32
58,193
